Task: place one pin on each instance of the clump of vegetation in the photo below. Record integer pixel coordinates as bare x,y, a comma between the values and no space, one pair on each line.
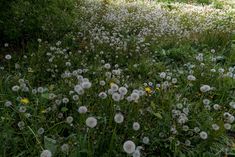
25,20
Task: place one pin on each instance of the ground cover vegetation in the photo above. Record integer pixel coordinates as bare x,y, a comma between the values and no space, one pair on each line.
119,78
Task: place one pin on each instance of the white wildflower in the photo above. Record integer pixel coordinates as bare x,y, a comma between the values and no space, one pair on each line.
91,122
129,147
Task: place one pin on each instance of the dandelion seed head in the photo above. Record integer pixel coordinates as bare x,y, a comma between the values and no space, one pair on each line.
136,126
46,153
205,88
146,140
227,126
69,119
91,122
40,131
118,118
102,95
203,135
82,109
129,147
215,127
8,103
86,85
15,88
116,96
8,57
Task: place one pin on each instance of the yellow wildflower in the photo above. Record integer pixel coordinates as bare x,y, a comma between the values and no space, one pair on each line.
24,101
148,90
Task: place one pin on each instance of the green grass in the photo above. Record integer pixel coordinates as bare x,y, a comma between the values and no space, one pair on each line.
169,108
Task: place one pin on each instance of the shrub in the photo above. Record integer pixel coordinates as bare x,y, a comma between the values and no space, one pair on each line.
23,20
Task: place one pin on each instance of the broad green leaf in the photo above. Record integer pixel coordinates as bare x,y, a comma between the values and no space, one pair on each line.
64,109
158,115
45,95
50,144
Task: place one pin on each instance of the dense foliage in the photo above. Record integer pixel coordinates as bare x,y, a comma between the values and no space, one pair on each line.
23,20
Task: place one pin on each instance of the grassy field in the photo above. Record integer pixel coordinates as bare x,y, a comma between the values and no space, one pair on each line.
117,78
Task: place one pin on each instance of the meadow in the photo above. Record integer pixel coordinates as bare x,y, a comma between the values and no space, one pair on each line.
117,78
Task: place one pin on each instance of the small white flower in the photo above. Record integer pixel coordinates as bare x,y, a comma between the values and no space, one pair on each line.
205,88
82,109
227,126
215,127
22,109
75,97
102,83
6,45
174,80
114,87
136,153
107,66
40,90
40,131
15,88
146,140
69,119
46,153
79,89
86,85
134,96
206,101
91,122
191,78
185,128
122,90
65,100
216,106
129,147
179,105
231,119
21,124
213,70
203,135
8,103
103,95
65,148
196,129
162,74
118,118
116,96
8,57
136,126
221,70
232,104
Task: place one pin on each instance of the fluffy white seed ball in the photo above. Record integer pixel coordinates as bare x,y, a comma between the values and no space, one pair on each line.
118,118
91,122
203,135
136,126
82,109
46,153
205,88
129,147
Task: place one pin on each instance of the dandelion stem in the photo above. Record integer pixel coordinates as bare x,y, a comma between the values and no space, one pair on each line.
35,137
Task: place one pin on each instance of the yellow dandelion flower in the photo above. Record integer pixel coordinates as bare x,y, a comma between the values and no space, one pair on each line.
157,88
148,90
24,101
